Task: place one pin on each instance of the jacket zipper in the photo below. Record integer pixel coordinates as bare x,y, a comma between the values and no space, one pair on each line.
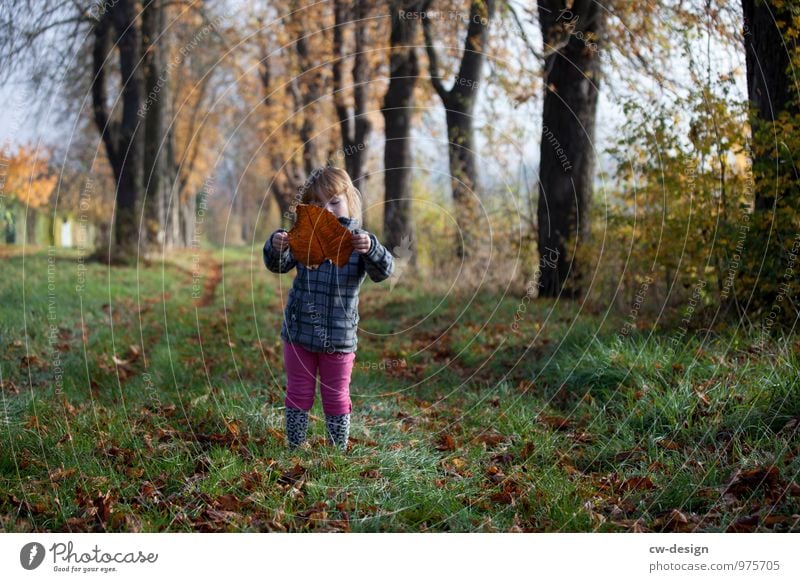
330,303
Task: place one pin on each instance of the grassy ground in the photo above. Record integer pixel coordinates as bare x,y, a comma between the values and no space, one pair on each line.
151,399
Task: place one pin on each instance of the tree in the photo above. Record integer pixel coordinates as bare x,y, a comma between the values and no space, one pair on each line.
572,76
355,127
117,27
397,108
459,103
156,178
145,143
772,54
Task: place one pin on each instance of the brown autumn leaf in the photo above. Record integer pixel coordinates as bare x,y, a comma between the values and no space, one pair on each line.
743,482
503,458
275,433
32,360
292,475
491,439
637,483
744,524
771,520
554,422
9,386
61,473
227,502
527,450
251,480
668,444
446,443
635,453
69,408
676,521
216,519
510,493
318,235
103,503
632,525
233,427
582,436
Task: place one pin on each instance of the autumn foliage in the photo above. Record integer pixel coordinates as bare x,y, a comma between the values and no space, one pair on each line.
28,177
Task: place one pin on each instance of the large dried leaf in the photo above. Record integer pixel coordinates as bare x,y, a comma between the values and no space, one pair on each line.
318,235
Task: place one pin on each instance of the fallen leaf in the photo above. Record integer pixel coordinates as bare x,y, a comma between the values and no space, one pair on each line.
491,439
227,502
318,235
743,482
292,475
61,474
554,422
744,524
637,483
446,443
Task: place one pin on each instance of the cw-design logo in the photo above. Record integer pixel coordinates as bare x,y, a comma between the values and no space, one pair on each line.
31,555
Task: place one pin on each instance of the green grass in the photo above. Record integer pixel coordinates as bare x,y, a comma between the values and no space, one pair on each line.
560,426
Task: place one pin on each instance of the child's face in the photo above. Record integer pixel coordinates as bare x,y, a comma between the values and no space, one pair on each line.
336,204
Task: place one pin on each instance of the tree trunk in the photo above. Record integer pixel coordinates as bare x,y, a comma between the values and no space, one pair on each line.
572,76
188,221
355,128
459,103
171,224
397,106
123,146
30,225
768,280
768,86
306,90
156,95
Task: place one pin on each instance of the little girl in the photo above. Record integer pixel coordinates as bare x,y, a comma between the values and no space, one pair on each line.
321,316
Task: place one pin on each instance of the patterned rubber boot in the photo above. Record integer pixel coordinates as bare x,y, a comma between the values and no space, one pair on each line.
338,426
296,426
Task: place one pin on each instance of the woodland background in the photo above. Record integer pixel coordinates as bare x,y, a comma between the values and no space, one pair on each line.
594,208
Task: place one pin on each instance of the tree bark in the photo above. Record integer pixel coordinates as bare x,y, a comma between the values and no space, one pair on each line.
306,91
766,57
156,95
355,128
121,138
767,280
566,171
396,109
459,103
286,176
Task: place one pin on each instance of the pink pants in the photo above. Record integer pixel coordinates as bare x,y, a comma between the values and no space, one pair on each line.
334,378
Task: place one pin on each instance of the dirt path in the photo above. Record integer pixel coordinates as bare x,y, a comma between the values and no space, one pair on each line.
213,278
16,250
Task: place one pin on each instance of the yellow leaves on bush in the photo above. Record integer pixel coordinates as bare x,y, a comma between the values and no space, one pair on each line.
28,177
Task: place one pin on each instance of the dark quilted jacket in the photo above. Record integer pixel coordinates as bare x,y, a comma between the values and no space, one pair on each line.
322,310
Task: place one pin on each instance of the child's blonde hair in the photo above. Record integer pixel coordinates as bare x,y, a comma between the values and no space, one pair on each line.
328,181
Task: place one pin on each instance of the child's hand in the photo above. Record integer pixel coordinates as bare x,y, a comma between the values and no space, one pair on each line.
362,243
280,241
